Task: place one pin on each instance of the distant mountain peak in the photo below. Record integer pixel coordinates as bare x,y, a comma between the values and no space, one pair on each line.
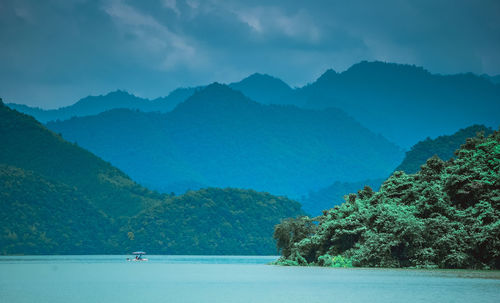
258,78
381,95
217,88
377,67
258,75
215,96
119,92
264,88
222,90
216,85
328,75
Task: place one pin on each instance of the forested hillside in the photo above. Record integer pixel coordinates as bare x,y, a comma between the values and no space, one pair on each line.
57,198
42,216
211,221
446,215
443,146
220,138
28,145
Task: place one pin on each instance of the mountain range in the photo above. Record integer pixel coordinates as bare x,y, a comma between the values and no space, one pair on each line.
404,103
218,137
93,105
57,198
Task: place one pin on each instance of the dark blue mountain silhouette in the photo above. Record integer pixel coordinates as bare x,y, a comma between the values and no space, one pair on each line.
218,137
406,103
93,105
265,89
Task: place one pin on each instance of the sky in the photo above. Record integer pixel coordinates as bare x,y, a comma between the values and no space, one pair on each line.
54,52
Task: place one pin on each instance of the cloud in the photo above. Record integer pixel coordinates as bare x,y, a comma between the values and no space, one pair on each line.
150,36
194,4
57,51
171,4
250,19
274,21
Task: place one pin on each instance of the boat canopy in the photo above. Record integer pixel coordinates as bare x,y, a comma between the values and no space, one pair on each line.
138,253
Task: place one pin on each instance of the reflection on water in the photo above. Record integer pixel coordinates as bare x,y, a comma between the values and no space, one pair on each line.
229,279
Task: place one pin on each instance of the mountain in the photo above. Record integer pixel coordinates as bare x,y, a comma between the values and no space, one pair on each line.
264,89
57,198
93,105
260,87
405,103
219,138
443,146
447,215
28,145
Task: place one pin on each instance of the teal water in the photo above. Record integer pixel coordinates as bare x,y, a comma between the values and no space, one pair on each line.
229,279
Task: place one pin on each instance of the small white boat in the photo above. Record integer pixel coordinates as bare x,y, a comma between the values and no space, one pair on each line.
138,257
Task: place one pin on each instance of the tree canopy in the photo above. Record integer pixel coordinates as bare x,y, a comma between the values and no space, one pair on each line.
446,215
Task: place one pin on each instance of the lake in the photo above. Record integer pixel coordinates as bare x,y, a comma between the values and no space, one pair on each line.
229,279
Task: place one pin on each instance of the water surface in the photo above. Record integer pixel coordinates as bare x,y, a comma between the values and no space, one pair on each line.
229,279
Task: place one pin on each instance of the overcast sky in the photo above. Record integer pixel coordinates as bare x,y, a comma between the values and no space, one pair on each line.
54,52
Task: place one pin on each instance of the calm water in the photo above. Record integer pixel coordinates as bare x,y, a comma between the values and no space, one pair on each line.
228,279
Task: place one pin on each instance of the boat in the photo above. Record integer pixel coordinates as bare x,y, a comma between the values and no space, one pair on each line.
138,257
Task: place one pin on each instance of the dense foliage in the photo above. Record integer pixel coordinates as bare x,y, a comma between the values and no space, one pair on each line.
28,145
443,146
447,215
56,198
220,138
41,216
211,221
